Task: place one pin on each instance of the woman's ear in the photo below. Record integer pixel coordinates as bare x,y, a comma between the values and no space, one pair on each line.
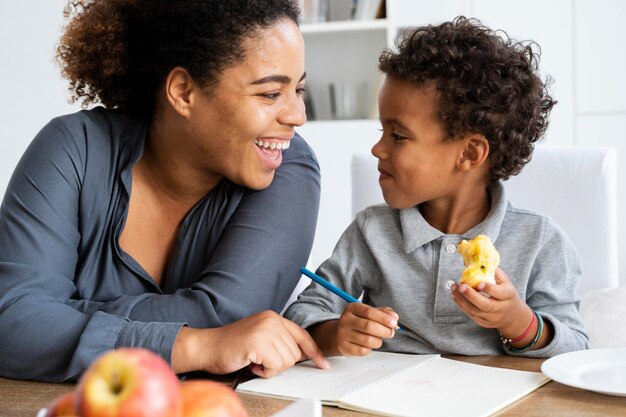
179,86
475,152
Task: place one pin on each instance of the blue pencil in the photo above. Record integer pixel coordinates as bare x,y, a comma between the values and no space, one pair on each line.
334,289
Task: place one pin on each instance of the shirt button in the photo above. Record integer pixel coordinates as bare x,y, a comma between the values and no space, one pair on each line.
451,248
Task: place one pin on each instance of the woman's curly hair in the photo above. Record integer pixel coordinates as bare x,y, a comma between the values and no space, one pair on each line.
118,52
487,83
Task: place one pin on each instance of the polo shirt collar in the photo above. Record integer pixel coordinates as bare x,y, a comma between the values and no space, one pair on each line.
416,231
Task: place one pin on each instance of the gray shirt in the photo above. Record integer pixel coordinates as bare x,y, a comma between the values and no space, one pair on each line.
395,258
68,292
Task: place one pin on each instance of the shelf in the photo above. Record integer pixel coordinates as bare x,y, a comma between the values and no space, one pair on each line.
344,26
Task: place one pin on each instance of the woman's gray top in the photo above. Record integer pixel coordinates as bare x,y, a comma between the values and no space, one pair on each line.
68,292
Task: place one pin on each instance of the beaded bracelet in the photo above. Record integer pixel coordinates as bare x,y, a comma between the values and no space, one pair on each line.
534,341
507,341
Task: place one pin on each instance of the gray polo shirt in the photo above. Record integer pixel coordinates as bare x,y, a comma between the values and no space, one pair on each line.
68,292
395,258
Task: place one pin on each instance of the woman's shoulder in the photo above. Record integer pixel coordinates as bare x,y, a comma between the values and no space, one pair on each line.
97,124
299,148
82,141
87,134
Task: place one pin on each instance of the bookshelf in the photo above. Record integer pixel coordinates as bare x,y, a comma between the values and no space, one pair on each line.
345,53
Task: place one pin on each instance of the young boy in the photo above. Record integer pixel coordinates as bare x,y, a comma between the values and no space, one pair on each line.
461,109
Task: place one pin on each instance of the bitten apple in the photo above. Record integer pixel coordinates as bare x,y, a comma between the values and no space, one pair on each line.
202,398
62,406
129,382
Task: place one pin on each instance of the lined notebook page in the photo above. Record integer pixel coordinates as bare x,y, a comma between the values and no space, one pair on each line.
305,380
444,387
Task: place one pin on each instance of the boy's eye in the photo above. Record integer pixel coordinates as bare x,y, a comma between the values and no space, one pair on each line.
395,136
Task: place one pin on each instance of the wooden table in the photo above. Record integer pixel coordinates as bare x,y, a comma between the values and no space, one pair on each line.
25,398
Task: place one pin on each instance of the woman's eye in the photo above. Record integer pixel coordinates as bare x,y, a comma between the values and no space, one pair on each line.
300,90
271,96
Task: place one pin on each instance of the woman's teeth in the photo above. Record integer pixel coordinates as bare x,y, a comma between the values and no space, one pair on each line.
272,145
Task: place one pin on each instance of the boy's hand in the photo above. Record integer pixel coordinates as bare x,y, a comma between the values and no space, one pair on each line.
498,311
362,328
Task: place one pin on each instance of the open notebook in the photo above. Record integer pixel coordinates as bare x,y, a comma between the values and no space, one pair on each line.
394,384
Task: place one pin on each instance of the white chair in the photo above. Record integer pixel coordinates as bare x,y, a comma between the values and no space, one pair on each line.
576,186
603,313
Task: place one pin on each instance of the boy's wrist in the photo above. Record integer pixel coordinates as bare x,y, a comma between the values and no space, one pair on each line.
521,328
325,335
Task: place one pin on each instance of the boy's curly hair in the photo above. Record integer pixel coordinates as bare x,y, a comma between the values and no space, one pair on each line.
118,52
487,83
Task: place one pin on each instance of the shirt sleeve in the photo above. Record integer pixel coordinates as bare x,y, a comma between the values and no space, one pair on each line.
256,264
43,337
552,293
346,268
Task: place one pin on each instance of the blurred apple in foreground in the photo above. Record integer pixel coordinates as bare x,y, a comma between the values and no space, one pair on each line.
202,398
129,382
62,406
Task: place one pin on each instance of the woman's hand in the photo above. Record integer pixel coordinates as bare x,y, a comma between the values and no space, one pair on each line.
265,341
360,329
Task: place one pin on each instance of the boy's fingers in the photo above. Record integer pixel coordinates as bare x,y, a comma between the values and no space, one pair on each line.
501,276
390,311
374,314
465,299
474,297
502,290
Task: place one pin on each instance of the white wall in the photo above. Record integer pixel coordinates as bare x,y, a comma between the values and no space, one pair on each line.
32,91
582,43
334,148
600,90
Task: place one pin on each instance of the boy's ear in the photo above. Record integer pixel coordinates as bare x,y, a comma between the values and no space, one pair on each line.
179,86
475,152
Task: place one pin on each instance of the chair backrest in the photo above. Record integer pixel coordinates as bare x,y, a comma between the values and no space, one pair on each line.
575,185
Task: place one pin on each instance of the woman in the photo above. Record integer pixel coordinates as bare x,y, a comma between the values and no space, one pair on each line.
173,216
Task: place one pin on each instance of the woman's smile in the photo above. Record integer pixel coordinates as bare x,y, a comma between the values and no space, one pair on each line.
270,150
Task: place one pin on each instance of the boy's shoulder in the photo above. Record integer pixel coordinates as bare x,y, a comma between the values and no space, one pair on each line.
518,218
524,212
376,212
377,218
527,215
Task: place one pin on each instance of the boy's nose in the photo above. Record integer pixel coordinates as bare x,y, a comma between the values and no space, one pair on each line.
378,150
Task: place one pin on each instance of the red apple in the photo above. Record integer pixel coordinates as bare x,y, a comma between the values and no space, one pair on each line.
62,406
129,382
202,398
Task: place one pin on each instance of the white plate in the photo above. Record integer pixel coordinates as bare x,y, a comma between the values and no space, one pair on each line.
599,370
